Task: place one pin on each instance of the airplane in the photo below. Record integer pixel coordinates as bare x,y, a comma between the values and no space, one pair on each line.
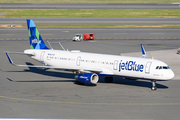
89,66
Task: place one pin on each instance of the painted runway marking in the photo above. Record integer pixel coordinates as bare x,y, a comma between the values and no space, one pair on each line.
92,41
157,33
120,33
83,103
6,34
46,34
117,43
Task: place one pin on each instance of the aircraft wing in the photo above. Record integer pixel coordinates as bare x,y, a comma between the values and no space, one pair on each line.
94,70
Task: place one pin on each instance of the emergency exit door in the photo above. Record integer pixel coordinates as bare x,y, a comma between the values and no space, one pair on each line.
78,61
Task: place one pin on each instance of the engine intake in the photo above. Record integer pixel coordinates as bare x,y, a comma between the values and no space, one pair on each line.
88,78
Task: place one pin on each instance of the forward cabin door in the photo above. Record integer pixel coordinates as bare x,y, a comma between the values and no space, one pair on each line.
78,61
148,66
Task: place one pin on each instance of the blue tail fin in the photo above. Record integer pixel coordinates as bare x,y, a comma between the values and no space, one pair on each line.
36,41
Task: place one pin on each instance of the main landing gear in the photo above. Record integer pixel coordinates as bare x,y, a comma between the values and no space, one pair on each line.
108,79
153,85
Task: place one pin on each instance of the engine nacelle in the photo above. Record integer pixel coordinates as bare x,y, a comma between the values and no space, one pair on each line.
88,78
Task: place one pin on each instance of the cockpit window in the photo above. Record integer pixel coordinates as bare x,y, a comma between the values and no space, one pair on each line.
165,67
162,67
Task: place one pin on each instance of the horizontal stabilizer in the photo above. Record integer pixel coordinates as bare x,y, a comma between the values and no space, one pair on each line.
22,53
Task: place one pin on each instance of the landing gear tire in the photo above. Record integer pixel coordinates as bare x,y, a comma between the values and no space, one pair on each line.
154,88
153,85
108,79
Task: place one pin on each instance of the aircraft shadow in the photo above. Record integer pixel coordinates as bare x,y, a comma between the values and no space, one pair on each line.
48,73
138,83
117,80
40,80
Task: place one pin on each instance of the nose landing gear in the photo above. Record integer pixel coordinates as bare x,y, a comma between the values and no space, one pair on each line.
153,85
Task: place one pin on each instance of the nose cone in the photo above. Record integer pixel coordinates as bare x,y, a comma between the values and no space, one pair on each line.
171,75
168,74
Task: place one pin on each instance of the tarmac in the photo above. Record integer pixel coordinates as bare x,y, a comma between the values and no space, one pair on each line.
48,93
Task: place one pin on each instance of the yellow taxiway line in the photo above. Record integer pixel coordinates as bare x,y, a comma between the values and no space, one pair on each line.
62,102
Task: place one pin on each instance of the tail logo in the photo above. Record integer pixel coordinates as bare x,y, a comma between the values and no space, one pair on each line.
36,41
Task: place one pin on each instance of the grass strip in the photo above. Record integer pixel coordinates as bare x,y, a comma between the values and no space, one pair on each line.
89,1
96,26
90,13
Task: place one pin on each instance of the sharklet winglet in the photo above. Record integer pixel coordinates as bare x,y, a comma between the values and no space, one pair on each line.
10,61
143,52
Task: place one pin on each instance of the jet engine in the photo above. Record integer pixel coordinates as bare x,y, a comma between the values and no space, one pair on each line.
87,78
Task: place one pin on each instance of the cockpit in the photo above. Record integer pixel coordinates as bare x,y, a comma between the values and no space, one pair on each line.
162,67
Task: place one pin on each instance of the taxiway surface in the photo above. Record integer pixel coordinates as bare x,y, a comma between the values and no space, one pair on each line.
89,5
92,21
42,93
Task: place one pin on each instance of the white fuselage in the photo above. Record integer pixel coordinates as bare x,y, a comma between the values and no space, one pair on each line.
111,65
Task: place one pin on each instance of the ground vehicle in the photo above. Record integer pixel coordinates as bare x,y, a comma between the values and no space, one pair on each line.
78,37
86,36
178,51
89,36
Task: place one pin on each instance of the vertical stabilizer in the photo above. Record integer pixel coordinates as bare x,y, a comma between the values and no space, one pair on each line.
36,41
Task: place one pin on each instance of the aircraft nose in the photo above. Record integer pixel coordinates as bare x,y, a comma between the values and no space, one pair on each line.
171,74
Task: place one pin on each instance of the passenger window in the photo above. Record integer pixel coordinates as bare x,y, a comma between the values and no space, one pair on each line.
160,67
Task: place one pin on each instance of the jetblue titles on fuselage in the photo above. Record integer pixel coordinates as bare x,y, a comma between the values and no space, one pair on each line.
130,66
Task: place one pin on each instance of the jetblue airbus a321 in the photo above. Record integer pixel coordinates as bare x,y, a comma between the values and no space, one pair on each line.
89,66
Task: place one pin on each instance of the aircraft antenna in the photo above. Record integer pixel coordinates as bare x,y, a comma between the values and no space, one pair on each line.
150,56
55,42
61,46
50,45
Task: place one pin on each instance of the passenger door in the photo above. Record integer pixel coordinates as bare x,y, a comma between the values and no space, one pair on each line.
42,56
148,66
